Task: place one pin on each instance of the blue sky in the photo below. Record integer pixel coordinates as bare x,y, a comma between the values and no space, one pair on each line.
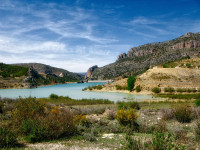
77,34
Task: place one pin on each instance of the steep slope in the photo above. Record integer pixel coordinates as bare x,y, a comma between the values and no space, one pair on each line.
49,70
181,74
169,77
140,58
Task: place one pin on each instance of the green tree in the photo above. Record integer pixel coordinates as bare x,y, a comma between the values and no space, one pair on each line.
131,82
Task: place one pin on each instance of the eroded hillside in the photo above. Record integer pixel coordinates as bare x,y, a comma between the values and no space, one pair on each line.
139,59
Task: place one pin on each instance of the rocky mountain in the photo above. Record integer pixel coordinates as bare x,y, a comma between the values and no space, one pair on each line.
49,70
139,59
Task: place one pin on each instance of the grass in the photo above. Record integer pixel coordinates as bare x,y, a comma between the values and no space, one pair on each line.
180,96
70,102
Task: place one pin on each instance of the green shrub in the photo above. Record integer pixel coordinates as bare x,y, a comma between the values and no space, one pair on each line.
156,90
90,136
130,83
181,90
163,141
53,96
27,108
127,116
38,122
197,102
188,65
133,144
99,87
7,138
194,90
189,90
160,141
127,105
183,113
169,89
119,87
1,107
181,96
51,126
138,88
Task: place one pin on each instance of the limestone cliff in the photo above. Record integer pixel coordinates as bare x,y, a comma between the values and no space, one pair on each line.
138,59
90,71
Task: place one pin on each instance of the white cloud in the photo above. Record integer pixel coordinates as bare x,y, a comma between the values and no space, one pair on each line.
143,21
12,45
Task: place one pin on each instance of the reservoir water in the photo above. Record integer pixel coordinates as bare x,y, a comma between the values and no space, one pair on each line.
72,90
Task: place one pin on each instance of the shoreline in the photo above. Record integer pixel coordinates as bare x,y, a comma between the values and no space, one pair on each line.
122,91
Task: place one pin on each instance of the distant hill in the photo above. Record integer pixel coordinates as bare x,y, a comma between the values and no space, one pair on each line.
82,73
33,75
138,59
49,70
12,71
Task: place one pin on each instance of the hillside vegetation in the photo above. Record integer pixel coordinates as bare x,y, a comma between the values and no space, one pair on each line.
12,71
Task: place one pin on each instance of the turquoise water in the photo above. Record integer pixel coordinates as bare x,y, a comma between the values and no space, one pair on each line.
72,90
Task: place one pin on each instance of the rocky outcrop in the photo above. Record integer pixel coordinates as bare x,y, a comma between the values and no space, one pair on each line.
138,59
189,44
90,71
124,55
149,49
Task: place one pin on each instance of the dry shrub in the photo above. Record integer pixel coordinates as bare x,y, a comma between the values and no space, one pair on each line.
180,134
196,112
38,123
111,115
183,113
167,114
197,131
161,126
89,110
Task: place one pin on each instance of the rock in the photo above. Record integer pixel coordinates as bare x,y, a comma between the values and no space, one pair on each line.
124,55
90,71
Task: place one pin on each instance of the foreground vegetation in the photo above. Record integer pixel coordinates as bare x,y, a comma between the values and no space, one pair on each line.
66,123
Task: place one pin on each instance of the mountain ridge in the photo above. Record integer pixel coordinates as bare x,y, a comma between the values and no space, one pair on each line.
47,69
138,59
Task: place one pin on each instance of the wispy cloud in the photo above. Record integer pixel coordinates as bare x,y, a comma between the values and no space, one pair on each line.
79,34
44,36
143,21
